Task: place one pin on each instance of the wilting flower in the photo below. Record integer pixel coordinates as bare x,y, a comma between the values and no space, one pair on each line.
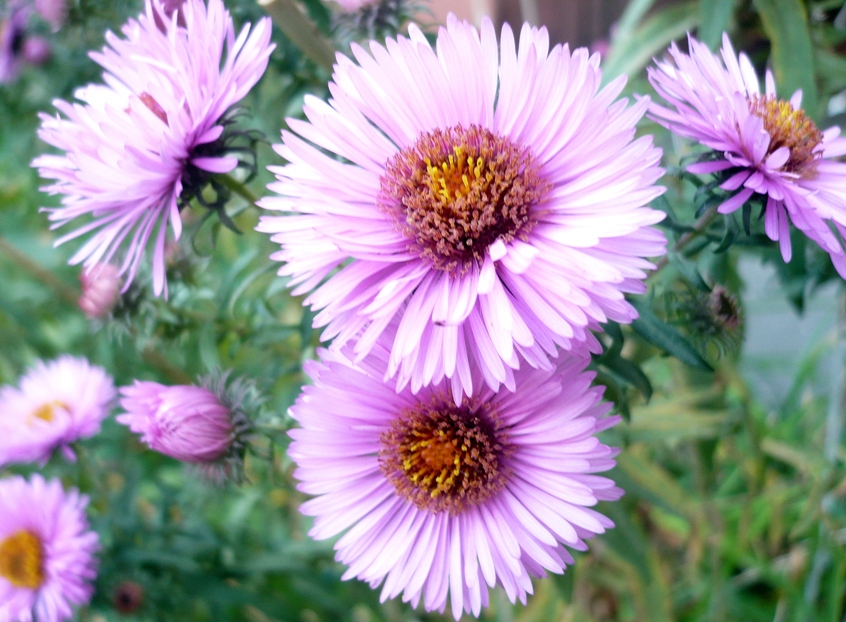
47,551
493,200
435,498
100,290
763,144
204,426
54,404
154,133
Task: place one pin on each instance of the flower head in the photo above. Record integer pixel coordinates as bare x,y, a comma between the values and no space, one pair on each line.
53,12
491,201
13,40
54,404
46,551
100,290
437,498
200,425
764,145
154,133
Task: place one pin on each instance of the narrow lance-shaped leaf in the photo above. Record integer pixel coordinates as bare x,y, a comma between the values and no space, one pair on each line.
666,337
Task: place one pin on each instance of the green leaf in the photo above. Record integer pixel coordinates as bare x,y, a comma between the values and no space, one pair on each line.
631,373
786,24
689,271
631,53
666,337
714,18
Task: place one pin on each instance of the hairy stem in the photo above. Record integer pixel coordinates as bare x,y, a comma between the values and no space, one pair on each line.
699,228
240,189
298,27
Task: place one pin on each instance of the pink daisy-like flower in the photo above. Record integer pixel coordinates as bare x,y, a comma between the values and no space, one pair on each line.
191,423
435,498
47,551
54,404
154,132
490,198
766,145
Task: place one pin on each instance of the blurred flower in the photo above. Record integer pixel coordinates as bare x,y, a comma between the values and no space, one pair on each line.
54,404
497,209
53,12
354,5
36,50
440,498
12,39
128,597
46,550
151,137
206,426
100,290
763,144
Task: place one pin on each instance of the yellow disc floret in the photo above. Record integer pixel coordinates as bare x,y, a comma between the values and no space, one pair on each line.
22,559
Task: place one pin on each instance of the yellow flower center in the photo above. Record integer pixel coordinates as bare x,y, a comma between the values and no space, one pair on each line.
789,128
442,458
457,191
22,559
47,411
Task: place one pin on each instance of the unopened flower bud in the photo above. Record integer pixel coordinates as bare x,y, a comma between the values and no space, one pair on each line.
36,50
100,290
194,424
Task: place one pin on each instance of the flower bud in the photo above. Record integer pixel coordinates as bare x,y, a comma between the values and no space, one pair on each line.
36,50
100,290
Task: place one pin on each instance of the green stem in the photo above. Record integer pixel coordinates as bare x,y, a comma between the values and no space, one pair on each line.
40,273
239,188
699,228
302,32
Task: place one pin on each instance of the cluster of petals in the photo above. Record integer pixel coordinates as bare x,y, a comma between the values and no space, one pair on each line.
525,297
185,422
64,544
54,404
128,142
711,101
100,290
519,532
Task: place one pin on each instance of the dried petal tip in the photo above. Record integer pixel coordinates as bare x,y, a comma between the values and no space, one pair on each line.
202,425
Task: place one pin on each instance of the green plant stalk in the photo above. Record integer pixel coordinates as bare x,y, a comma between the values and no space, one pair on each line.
240,189
302,32
699,228
65,292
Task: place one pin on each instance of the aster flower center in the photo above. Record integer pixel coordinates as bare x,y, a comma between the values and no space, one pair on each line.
22,559
47,412
444,458
789,128
457,191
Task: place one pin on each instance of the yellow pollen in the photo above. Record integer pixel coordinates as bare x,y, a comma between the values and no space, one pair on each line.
21,560
47,412
791,128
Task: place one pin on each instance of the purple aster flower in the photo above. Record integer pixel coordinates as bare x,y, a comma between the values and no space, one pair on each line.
204,426
53,12
435,498
55,404
764,144
490,199
47,551
153,134
13,40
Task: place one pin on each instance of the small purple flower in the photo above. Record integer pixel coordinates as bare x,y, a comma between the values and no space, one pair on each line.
100,290
152,133
764,145
435,498
193,424
55,404
491,198
13,40
47,551
53,12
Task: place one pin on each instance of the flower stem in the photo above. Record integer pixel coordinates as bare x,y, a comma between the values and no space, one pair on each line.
699,228
240,189
299,28
40,273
